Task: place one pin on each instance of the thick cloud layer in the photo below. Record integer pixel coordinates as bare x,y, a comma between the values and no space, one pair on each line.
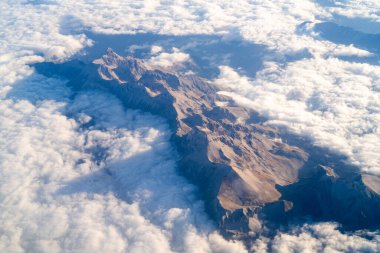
72,174
98,180
333,102
54,27
324,237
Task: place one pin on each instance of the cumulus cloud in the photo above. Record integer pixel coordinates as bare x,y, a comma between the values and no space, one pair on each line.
155,49
79,183
324,237
350,50
36,29
271,23
335,103
320,237
167,60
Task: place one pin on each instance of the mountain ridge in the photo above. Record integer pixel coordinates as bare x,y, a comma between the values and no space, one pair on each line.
249,178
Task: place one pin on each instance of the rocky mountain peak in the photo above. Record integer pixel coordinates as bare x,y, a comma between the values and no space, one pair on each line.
123,69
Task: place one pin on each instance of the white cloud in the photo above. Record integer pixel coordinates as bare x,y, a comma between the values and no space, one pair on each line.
68,188
37,29
357,9
362,15
268,22
335,103
323,237
156,49
167,60
37,26
350,51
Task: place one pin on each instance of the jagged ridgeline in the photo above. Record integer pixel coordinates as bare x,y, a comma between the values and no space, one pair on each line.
250,175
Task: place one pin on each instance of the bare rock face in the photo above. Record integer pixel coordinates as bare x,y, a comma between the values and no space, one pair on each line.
248,176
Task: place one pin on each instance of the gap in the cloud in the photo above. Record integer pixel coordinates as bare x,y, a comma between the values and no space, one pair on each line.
38,87
208,52
348,36
363,25
326,3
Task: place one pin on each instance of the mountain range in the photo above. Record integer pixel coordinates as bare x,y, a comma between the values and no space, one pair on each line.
251,176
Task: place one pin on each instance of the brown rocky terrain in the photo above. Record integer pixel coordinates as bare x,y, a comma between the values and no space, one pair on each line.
250,175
